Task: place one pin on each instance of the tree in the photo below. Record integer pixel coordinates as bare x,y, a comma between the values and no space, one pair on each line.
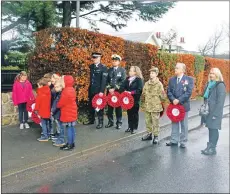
113,13
205,48
36,15
169,38
211,46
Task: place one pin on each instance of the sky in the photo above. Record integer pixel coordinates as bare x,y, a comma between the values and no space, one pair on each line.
196,21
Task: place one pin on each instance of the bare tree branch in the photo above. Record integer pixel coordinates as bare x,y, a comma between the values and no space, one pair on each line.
206,48
217,39
169,37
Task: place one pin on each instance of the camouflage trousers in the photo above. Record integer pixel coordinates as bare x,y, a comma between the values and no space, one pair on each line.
152,122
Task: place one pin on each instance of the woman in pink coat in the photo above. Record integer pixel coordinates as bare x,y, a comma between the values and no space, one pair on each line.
22,93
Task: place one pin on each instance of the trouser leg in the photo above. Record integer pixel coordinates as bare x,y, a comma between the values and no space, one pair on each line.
25,112
148,122
175,132
213,136
184,129
20,112
155,123
119,115
110,114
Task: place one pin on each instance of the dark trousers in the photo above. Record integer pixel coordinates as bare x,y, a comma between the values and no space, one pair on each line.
91,115
118,112
23,114
213,136
133,117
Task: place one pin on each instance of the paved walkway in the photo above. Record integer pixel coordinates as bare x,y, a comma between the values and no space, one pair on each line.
21,150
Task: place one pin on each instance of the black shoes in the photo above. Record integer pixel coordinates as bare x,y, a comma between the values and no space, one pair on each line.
128,130
109,125
171,144
118,126
68,147
89,123
210,150
147,137
99,126
155,140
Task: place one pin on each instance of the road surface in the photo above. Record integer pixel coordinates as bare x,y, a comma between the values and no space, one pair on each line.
136,167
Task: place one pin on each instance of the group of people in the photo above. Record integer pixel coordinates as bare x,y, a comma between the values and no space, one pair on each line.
56,102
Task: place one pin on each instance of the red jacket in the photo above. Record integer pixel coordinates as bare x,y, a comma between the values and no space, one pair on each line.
22,94
67,102
43,102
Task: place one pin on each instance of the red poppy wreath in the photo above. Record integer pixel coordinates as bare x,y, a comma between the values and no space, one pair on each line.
99,102
176,113
30,105
114,99
127,100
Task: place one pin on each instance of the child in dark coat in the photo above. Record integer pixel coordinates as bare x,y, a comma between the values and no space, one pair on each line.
56,114
42,107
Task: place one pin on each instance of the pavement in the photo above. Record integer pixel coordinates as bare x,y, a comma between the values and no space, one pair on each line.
21,151
135,167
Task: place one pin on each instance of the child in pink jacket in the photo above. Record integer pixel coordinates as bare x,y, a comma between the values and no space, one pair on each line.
21,94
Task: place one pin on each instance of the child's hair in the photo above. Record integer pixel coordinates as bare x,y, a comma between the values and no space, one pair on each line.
56,76
43,82
48,76
138,71
58,83
22,73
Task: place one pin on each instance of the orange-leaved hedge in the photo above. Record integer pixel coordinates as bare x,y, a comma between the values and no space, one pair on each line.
222,64
68,51
72,54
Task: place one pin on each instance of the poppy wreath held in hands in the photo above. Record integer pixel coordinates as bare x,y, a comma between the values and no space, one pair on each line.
176,113
99,102
114,99
126,100
30,105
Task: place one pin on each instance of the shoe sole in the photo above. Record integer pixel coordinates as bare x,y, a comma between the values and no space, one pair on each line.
43,140
58,145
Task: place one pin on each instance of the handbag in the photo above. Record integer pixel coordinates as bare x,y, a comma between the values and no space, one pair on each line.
203,110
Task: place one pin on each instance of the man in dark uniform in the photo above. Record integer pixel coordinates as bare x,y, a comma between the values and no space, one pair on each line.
116,77
98,80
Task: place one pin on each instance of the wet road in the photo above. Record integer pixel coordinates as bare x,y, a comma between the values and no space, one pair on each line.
136,166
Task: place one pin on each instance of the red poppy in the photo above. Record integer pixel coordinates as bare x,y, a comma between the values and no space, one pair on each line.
176,113
114,99
29,105
127,100
99,102
35,118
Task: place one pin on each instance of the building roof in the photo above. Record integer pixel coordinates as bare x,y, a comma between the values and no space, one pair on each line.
138,37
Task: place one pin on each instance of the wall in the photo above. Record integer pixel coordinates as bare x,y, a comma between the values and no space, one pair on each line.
9,111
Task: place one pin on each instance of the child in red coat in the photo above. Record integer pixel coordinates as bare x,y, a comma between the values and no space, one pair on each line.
68,106
42,107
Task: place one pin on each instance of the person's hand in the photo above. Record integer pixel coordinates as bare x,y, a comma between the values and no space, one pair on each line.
111,91
101,94
175,102
51,113
128,92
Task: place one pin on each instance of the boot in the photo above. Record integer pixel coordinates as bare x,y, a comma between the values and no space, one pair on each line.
118,126
132,131
127,130
208,145
211,150
100,124
110,124
147,137
155,140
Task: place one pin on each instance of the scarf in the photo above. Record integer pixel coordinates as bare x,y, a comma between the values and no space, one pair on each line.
210,85
131,79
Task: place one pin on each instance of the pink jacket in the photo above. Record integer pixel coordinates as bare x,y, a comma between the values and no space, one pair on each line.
22,94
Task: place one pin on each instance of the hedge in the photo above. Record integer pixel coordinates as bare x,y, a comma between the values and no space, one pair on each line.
72,55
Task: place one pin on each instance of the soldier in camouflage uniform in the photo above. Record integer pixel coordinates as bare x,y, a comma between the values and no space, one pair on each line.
152,96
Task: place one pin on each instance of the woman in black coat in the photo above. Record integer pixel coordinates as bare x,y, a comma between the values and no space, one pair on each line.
215,94
134,85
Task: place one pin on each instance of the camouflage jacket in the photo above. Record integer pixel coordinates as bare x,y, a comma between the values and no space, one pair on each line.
152,96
